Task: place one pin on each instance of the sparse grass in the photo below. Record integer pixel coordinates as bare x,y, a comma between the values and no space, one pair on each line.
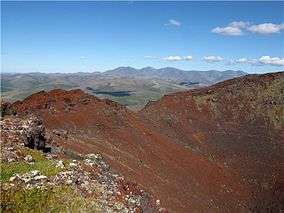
45,199
51,199
46,167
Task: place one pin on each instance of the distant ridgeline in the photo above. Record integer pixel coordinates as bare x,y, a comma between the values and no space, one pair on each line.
126,85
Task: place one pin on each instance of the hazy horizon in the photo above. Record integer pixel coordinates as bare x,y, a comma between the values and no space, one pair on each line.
139,68
136,68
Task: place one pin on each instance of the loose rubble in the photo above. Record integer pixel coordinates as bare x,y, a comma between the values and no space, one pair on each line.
28,131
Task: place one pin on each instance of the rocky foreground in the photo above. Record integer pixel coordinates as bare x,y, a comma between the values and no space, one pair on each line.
35,177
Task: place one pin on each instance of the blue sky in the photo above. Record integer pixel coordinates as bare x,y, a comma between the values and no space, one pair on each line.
97,36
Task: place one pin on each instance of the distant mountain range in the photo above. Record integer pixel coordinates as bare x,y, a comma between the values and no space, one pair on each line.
174,74
126,85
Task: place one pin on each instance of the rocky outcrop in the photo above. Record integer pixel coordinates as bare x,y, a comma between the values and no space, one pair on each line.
29,130
6,109
89,176
34,132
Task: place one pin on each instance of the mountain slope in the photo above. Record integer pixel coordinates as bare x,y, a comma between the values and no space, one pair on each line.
237,123
169,171
212,149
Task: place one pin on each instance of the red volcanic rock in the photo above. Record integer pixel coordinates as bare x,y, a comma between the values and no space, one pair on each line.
59,99
237,124
216,149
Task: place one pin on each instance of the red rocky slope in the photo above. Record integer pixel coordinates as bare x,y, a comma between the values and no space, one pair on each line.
198,151
238,124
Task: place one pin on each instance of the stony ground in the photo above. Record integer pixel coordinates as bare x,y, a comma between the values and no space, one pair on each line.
30,177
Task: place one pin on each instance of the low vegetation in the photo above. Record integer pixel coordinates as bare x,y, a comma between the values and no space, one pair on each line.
51,199
44,166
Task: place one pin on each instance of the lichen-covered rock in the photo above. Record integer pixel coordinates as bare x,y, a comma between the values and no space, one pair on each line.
35,133
28,158
6,109
60,164
28,131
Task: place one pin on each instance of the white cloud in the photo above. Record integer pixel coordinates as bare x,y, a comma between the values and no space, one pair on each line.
242,60
230,31
150,57
237,28
275,61
178,58
247,61
173,22
266,28
264,60
187,58
83,57
173,58
239,24
212,58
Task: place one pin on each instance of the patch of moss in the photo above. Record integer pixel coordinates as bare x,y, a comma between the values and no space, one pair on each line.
37,155
51,199
45,166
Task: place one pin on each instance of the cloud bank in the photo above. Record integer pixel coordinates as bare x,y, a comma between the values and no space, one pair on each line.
237,28
272,61
171,58
178,58
266,28
263,60
211,59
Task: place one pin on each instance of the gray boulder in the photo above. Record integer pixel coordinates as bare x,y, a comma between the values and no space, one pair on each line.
34,133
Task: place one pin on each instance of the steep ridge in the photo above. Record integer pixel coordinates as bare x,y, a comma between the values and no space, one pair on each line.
237,123
170,148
